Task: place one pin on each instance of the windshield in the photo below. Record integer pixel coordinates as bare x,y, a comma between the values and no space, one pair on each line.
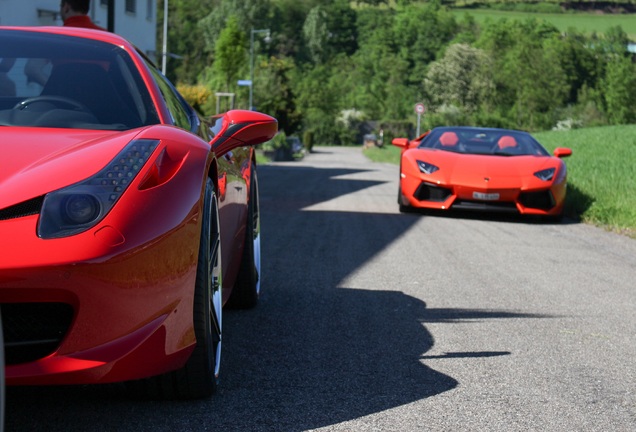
49,80
483,141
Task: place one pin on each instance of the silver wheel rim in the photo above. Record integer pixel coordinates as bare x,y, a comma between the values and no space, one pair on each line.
257,238
216,298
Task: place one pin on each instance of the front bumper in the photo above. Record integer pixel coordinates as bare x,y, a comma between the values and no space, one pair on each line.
87,309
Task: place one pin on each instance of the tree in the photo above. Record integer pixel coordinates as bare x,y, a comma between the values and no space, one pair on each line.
329,30
276,93
185,38
315,34
461,78
620,90
230,53
249,14
421,32
579,63
539,84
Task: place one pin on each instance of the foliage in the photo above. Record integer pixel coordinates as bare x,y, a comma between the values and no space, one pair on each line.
620,90
274,93
230,54
196,95
278,142
461,78
315,34
308,139
378,58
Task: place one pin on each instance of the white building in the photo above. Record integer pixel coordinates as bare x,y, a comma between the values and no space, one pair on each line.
136,20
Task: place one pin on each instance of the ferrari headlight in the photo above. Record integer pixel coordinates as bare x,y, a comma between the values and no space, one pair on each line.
76,208
546,174
426,167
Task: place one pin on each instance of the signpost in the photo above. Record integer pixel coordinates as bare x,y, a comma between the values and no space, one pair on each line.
420,109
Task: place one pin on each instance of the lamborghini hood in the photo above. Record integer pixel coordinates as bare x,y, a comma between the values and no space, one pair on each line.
37,161
470,169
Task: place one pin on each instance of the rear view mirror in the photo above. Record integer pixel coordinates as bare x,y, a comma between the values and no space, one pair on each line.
562,152
238,128
401,142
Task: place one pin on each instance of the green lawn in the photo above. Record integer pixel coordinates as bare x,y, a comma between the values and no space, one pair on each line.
586,23
601,173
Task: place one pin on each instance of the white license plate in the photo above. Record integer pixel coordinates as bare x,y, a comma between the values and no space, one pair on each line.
486,196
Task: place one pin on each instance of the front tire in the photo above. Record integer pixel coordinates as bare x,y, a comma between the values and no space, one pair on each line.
400,199
201,372
199,377
248,283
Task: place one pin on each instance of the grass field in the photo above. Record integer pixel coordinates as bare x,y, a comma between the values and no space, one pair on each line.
586,23
601,173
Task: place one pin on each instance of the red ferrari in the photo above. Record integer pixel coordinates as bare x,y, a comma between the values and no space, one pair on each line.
127,220
473,168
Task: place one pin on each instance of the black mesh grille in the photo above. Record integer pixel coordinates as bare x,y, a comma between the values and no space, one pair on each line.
33,330
427,192
540,200
26,208
496,206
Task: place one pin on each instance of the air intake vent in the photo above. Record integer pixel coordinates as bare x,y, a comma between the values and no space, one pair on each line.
26,208
33,330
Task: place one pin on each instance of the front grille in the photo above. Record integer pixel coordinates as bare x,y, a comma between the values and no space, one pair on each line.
26,208
33,330
429,192
540,200
496,206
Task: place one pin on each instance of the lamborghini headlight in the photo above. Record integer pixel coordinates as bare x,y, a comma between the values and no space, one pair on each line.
426,167
546,174
78,207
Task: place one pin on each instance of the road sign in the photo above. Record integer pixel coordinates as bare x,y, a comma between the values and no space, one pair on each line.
420,108
247,83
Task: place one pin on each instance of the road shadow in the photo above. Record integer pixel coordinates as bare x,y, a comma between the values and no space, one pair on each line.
315,352
495,216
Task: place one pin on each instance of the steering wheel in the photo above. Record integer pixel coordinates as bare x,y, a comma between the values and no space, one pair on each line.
52,99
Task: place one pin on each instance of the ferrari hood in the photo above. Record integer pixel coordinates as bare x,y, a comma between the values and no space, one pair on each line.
37,161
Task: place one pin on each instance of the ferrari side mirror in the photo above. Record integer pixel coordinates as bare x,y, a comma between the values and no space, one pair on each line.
238,128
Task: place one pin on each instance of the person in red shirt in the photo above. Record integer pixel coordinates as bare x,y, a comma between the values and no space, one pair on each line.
74,13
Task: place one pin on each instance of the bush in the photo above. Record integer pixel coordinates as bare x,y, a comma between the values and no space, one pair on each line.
196,95
308,140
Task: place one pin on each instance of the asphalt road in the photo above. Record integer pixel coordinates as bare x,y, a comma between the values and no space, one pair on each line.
371,320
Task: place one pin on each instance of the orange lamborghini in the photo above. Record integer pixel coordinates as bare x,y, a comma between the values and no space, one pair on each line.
473,168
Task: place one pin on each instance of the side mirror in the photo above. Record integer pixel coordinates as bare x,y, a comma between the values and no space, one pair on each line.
239,128
562,152
401,142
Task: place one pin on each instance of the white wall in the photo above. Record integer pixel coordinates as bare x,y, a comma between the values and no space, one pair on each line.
139,27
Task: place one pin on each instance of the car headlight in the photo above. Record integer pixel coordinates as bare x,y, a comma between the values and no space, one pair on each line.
426,167
546,174
76,208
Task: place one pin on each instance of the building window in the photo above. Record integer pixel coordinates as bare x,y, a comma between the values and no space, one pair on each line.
131,6
150,13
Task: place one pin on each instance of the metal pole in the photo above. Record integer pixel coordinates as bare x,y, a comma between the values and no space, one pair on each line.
251,69
110,25
164,54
